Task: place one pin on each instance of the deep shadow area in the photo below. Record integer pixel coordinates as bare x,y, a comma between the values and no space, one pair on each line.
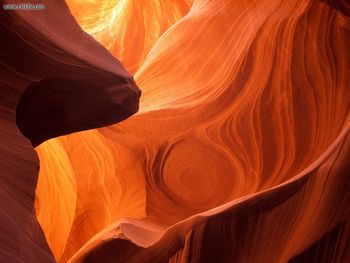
331,247
56,106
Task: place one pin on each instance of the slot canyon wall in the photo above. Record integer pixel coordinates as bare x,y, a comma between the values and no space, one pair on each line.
238,149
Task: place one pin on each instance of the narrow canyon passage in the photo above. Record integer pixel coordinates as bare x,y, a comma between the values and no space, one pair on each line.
222,135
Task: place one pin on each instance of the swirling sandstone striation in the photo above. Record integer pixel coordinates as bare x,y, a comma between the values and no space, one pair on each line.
240,151
275,225
93,165
56,79
243,129
254,123
128,28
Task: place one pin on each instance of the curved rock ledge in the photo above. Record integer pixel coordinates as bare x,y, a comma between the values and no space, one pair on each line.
55,80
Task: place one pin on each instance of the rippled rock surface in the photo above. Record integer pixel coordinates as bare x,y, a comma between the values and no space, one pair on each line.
239,151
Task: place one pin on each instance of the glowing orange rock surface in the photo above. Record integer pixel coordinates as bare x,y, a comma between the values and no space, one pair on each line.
239,152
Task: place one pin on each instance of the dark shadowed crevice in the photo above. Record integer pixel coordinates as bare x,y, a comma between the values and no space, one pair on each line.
341,5
331,247
58,106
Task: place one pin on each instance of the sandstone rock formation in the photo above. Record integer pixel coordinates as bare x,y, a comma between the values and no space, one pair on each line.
55,79
240,150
